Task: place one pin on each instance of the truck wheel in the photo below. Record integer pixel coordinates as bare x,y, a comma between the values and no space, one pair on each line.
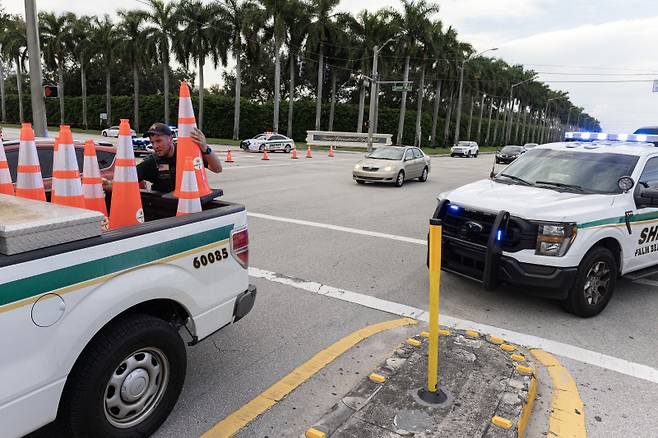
127,380
287,149
595,283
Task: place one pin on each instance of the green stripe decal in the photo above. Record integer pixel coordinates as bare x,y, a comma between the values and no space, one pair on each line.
620,220
52,280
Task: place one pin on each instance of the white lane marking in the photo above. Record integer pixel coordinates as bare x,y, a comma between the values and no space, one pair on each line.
338,228
600,360
258,165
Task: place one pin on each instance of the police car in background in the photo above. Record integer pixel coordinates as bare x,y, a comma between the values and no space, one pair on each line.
269,141
564,220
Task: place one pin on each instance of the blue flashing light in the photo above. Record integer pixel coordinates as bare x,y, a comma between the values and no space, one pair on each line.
584,135
454,207
602,136
499,235
622,137
641,137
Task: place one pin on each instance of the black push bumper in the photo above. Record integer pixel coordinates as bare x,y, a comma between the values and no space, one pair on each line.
244,303
487,265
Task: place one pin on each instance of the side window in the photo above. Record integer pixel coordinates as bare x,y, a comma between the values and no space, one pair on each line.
650,172
12,161
46,161
409,155
105,159
418,153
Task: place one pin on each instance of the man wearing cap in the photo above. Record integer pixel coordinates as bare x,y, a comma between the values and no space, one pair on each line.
159,168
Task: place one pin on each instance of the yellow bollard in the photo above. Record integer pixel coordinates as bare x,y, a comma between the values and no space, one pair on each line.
435,284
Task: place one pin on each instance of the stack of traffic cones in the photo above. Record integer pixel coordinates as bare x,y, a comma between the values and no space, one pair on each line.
6,186
188,198
229,156
67,188
308,152
331,152
126,205
92,184
186,147
294,153
266,156
29,183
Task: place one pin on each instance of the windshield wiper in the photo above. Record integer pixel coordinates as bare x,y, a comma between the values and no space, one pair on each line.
561,185
515,178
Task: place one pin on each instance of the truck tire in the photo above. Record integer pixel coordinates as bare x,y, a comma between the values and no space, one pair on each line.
287,149
126,381
594,285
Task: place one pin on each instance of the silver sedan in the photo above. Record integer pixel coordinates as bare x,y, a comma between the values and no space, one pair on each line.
393,164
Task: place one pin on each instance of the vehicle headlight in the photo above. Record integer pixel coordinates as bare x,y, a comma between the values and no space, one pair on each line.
357,166
554,239
388,168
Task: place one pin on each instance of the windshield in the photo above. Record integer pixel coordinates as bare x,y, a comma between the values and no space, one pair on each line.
585,172
530,145
511,149
387,154
260,137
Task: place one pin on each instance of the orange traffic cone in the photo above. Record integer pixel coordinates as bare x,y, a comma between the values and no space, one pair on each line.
6,186
331,152
186,147
126,205
29,183
229,157
188,198
294,153
67,188
308,152
266,156
92,184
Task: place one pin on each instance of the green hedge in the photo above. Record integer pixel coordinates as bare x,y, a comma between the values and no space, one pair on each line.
254,117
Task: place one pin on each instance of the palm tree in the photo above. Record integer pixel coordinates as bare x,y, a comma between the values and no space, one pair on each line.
5,22
414,22
83,50
133,48
341,55
322,31
105,39
430,38
297,24
14,47
165,22
199,39
239,15
55,40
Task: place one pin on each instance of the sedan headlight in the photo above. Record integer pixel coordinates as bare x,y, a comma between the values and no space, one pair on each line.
387,168
554,239
357,166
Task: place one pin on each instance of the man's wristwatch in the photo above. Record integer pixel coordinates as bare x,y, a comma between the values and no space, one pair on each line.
207,151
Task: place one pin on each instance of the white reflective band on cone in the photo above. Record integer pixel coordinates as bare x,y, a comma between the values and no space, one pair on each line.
29,180
92,191
125,174
189,205
27,154
66,187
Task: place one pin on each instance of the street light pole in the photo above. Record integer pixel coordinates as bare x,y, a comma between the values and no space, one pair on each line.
508,135
36,81
373,91
461,86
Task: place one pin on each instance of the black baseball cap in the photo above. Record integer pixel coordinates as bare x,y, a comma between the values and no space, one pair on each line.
158,129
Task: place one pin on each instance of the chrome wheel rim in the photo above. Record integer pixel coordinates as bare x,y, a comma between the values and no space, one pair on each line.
400,178
136,387
597,283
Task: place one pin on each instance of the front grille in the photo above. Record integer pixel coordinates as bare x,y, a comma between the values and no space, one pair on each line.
370,169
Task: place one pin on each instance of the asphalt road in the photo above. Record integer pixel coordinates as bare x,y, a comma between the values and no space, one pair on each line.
288,325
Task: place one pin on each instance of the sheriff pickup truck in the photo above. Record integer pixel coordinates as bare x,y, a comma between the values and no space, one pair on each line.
564,220
92,330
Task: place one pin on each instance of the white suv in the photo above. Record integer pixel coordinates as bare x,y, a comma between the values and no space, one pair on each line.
466,149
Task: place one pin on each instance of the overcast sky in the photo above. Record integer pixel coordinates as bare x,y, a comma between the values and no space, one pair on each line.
566,40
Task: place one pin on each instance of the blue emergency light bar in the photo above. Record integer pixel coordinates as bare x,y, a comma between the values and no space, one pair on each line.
591,136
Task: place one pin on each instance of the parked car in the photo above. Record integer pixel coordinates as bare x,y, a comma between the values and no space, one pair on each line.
270,141
509,153
393,164
466,149
113,131
529,146
105,153
142,146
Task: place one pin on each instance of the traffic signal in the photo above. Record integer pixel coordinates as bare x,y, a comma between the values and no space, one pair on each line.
50,90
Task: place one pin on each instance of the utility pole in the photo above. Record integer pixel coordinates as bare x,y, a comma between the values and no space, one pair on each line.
373,92
36,82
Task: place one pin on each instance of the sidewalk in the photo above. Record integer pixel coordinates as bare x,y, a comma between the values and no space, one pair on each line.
490,388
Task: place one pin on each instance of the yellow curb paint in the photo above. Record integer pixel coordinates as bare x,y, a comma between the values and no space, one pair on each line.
472,334
444,332
508,347
501,422
314,433
425,334
527,408
414,342
567,412
495,340
524,370
272,395
377,378
517,357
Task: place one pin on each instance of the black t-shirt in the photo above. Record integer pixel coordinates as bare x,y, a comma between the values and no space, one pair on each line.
160,171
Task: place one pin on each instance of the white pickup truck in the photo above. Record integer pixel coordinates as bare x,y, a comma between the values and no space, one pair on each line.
564,220
91,329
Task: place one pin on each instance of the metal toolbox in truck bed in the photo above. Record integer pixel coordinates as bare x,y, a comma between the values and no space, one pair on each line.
26,225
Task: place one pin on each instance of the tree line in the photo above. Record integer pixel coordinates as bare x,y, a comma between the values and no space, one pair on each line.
288,51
